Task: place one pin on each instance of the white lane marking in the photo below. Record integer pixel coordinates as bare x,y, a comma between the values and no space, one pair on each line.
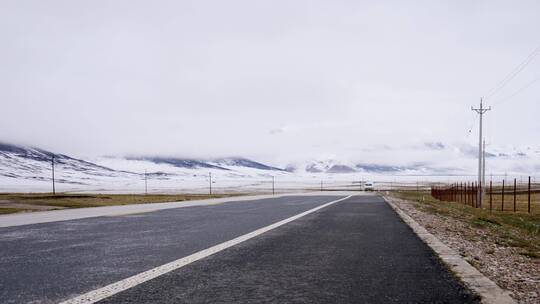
114,288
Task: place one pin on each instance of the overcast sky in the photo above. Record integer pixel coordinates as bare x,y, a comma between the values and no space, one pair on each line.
265,79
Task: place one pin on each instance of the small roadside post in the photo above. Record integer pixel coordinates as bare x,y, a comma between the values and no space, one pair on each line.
514,195
529,196
502,197
490,195
210,181
52,165
145,182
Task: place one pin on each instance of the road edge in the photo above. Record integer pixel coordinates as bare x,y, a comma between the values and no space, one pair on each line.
489,292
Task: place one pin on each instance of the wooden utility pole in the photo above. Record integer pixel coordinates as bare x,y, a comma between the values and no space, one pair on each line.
273,188
210,181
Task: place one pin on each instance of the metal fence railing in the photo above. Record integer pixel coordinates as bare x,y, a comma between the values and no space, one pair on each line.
502,196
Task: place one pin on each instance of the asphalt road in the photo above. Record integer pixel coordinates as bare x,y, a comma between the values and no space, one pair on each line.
50,262
355,251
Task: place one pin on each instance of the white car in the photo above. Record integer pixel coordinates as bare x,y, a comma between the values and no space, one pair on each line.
368,186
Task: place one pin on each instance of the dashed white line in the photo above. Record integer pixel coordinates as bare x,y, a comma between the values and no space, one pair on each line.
114,288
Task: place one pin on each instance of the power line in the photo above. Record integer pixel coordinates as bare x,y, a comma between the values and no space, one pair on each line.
514,73
523,88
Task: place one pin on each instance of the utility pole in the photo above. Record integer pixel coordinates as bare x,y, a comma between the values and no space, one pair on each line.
321,186
145,183
273,189
52,165
481,111
210,179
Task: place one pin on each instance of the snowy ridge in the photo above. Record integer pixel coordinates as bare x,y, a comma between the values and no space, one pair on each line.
27,169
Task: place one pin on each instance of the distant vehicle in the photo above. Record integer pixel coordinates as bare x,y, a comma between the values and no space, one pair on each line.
368,186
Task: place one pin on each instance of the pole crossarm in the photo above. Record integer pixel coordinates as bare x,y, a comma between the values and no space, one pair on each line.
481,111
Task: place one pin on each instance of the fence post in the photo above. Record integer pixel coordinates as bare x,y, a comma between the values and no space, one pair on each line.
502,197
490,195
443,194
462,196
465,193
468,193
471,193
475,197
462,193
471,197
459,192
529,196
514,195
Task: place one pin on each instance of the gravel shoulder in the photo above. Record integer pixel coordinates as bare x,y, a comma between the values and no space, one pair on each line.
503,254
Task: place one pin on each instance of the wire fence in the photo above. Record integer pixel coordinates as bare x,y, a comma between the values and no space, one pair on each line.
504,196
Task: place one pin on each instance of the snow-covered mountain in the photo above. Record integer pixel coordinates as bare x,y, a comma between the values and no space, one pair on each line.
331,166
430,158
29,169
27,163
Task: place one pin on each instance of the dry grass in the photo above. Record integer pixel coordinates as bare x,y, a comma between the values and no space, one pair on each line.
521,202
25,202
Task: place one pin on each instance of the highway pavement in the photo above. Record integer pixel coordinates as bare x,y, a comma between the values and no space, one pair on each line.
353,251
